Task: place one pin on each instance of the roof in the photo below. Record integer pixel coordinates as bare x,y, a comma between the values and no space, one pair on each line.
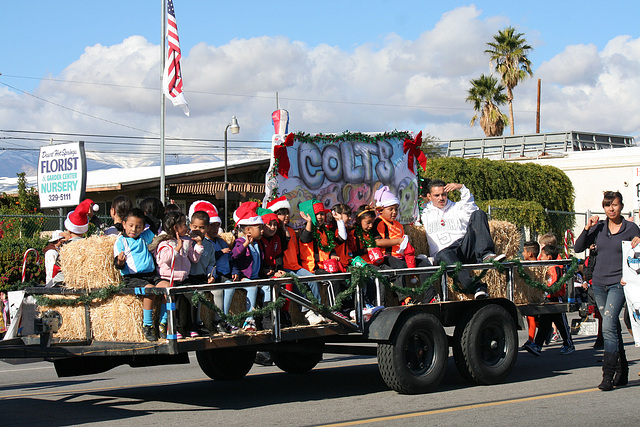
119,178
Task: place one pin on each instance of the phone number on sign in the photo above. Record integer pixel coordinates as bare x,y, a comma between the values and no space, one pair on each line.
57,197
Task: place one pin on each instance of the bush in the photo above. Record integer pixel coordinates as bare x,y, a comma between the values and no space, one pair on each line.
505,184
11,256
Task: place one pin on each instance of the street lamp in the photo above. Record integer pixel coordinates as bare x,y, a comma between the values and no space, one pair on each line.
235,128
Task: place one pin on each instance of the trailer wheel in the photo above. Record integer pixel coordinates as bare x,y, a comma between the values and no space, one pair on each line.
486,345
295,363
415,360
225,364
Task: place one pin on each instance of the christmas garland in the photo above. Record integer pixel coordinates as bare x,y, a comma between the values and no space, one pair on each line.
369,242
571,271
318,239
351,136
237,319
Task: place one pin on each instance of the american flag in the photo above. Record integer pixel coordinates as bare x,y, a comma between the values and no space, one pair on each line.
172,76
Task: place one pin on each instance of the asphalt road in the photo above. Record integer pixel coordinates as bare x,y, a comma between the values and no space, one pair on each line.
342,390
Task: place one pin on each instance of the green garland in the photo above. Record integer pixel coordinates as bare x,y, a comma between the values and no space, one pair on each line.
316,236
571,271
237,319
369,242
351,136
99,294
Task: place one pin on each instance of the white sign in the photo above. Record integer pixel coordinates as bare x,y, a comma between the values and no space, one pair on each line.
636,187
62,174
631,275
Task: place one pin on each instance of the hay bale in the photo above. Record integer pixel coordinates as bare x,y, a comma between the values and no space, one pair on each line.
417,238
88,263
119,318
506,237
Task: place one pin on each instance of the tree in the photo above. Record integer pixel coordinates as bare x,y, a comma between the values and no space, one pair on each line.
432,147
509,52
486,95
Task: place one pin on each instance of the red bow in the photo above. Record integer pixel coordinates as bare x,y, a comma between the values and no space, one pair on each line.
413,149
280,154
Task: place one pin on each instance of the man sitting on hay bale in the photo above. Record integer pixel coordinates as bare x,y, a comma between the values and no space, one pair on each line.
457,231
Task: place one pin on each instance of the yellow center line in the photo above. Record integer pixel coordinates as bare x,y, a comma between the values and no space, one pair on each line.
458,408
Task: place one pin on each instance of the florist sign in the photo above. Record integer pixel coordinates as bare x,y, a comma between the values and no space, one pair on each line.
62,172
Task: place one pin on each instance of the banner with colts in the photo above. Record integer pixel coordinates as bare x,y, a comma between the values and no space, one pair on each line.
346,168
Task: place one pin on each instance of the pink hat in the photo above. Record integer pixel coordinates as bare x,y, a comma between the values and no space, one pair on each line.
385,198
279,203
77,220
246,214
203,205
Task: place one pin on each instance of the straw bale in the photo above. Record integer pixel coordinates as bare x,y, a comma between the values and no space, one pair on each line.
119,318
88,263
417,238
506,237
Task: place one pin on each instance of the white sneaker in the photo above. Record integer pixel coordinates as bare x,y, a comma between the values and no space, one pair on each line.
493,257
314,318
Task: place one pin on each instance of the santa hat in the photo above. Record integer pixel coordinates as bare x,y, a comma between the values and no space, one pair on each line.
77,220
267,215
311,208
279,203
246,214
203,205
385,198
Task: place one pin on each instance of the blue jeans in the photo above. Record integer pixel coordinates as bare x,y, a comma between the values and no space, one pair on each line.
313,286
610,300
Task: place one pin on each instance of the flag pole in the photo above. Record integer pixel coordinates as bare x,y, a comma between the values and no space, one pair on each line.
163,99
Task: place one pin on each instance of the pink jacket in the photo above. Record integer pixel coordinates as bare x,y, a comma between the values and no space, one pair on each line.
189,253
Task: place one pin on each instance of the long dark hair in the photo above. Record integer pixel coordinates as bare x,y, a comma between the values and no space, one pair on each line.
170,220
153,212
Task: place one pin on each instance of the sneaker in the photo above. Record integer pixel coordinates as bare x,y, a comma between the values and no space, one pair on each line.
162,331
407,301
179,336
524,346
481,293
249,325
263,358
340,315
149,333
533,348
314,318
567,349
194,334
493,257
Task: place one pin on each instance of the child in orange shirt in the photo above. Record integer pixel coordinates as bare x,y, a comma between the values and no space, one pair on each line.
389,235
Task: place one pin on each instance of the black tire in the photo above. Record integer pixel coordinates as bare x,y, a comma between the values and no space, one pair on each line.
226,364
486,345
296,363
415,361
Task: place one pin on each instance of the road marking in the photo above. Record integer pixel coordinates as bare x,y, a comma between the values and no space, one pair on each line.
458,408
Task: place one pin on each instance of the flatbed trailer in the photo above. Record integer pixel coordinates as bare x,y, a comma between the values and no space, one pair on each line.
409,341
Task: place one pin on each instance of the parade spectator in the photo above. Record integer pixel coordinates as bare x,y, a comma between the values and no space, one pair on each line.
530,252
51,259
608,235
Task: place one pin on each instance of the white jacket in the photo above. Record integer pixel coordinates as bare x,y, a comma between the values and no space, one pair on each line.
445,226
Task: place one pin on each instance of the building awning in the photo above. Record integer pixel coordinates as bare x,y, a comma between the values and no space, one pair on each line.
213,188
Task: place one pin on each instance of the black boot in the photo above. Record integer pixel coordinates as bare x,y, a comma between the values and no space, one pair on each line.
621,376
608,370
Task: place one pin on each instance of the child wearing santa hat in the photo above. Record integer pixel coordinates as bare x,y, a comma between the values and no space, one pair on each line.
77,222
291,260
389,235
247,255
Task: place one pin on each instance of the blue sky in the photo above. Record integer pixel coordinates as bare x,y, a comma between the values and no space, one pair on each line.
379,59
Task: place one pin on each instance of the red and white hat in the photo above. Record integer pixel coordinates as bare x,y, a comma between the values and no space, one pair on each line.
279,203
203,205
77,220
246,214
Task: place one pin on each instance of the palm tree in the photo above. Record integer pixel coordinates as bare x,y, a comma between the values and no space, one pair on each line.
486,94
509,54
